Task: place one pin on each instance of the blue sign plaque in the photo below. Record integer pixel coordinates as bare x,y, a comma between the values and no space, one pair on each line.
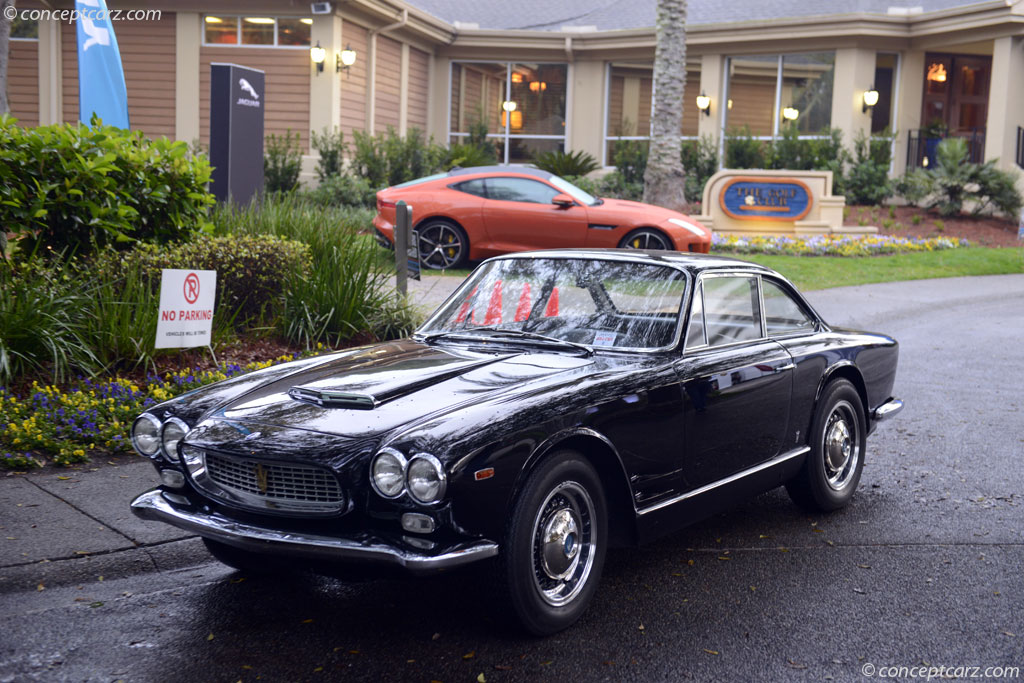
785,199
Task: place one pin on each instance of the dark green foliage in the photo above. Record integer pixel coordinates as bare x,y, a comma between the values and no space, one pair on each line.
743,151
954,180
331,148
41,321
73,188
630,160
465,156
388,159
282,162
700,159
868,180
343,190
566,163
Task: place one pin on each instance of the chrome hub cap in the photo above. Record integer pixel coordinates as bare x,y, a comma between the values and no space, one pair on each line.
840,446
564,543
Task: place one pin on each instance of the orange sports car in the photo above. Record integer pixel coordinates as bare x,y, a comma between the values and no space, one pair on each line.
475,213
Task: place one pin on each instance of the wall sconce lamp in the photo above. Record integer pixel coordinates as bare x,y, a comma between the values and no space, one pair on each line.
508,105
345,59
870,99
790,114
318,55
704,103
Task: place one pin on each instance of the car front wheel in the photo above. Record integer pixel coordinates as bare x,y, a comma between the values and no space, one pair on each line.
646,238
554,550
832,470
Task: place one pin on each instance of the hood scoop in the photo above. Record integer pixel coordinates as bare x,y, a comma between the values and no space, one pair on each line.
326,398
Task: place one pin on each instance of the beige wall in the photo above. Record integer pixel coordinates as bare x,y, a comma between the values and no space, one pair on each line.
418,90
353,82
1006,111
388,76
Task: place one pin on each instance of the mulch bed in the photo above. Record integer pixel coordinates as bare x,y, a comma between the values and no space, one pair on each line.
981,231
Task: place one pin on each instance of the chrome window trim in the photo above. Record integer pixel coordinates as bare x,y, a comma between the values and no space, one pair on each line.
788,289
720,274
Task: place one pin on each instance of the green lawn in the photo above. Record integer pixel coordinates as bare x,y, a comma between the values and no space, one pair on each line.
822,272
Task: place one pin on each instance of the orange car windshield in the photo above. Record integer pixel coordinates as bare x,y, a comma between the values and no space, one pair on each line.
596,303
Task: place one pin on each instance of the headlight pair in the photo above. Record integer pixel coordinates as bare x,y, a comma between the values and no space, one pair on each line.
422,476
150,436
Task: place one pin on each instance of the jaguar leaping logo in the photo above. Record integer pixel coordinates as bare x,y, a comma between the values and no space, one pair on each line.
247,87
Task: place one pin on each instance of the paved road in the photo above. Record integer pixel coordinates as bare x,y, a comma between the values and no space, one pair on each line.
923,569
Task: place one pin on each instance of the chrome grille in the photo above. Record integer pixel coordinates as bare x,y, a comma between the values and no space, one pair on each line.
269,486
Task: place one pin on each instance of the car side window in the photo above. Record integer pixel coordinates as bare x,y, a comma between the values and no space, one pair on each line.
473,187
782,314
520,190
695,335
731,309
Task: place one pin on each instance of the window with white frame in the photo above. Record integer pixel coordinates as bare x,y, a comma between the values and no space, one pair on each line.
520,108
630,89
767,92
24,29
256,31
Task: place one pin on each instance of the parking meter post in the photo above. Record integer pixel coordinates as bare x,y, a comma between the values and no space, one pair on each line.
402,247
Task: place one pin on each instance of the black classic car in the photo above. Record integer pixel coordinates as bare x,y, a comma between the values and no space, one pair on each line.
558,403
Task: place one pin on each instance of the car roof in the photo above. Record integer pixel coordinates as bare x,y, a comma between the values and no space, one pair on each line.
501,170
683,260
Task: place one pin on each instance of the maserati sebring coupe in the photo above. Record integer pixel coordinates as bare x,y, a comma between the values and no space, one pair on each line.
557,404
475,213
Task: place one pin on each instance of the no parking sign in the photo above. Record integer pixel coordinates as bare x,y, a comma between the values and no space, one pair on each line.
186,308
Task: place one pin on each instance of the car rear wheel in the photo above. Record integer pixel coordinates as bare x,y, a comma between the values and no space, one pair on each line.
832,470
443,245
243,560
646,238
554,550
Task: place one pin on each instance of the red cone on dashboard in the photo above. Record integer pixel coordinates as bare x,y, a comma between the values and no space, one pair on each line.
493,316
552,310
461,317
523,310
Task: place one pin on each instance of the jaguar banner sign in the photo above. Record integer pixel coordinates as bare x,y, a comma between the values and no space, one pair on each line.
186,308
238,99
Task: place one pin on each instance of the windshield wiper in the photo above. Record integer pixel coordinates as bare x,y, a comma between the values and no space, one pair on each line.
515,334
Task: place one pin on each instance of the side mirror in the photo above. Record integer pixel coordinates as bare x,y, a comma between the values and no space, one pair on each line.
562,201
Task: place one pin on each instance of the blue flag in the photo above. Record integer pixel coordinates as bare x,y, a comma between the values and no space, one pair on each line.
101,88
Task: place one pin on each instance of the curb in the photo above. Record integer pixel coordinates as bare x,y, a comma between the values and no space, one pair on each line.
182,553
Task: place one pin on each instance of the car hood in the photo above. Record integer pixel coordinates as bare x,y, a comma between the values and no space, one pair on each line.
387,386
621,207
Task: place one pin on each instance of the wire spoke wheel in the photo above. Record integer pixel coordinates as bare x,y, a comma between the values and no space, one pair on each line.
564,543
840,446
442,245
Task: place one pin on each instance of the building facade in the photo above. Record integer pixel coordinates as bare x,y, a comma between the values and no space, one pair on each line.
536,77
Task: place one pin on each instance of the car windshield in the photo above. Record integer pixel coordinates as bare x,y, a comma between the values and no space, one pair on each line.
573,191
571,301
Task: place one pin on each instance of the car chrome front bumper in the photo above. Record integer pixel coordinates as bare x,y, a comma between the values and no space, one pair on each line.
887,410
364,547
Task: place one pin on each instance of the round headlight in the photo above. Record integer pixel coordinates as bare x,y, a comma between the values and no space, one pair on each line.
173,432
425,478
387,473
146,435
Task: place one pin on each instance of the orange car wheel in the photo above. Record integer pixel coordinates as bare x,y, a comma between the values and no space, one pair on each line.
646,238
443,244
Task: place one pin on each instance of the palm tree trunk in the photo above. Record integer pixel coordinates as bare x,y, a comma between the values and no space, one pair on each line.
665,177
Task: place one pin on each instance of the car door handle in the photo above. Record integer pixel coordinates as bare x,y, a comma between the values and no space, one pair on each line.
791,366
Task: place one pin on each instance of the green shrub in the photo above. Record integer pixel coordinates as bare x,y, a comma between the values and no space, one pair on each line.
282,162
465,156
616,186
868,180
74,188
700,159
630,160
388,159
563,164
953,181
41,321
330,145
742,150
343,190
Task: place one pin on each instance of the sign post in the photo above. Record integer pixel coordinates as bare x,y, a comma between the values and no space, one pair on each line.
237,102
407,248
186,309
